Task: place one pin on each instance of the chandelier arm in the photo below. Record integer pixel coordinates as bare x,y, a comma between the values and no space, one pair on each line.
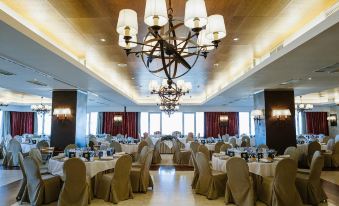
175,69
176,55
174,27
162,59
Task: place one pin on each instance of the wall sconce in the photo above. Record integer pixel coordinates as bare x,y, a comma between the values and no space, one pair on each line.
281,114
62,113
117,120
332,119
257,114
223,119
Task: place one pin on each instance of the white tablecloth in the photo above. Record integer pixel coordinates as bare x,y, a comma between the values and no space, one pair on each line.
27,147
259,168
55,167
129,148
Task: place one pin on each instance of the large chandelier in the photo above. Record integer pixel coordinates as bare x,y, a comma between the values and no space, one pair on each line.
41,108
169,91
303,107
166,50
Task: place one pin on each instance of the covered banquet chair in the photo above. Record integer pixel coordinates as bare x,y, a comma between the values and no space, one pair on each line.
140,177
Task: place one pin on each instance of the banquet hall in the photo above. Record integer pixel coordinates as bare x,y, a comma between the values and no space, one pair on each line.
169,102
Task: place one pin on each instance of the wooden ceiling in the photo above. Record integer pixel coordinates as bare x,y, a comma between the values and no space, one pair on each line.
260,25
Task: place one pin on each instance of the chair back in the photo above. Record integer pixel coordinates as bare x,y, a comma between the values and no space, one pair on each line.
218,146
284,188
71,146
121,177
194,147
143,155
246,138
36,155
34,181
15,148
145,167
243,144
205,173
292,152
205,151
75,189
225,147
141,145
312,147
21,163
225,137
149,142
336,148
233,142
190,137
239,182
330,144
325,139
316,167
42,144
116,146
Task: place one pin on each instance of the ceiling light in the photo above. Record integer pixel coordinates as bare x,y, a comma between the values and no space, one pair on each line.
41,108
132,78
216,65
103,40
236,39
310,78
122,65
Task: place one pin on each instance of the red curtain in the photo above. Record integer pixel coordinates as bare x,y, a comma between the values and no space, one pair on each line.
316,123
128,126
213,127
21,123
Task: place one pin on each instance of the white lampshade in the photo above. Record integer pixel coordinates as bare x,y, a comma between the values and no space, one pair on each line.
215,28
203,41
195,14
122,42
156,13
127,19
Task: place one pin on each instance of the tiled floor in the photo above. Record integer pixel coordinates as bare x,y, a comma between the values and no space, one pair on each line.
172,187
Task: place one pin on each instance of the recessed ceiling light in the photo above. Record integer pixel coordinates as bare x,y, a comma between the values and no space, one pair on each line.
132,78
216,65
122,65
310,78
235,39
102,39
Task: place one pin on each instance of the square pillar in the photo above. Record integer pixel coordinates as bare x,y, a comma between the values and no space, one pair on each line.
275,133
72,129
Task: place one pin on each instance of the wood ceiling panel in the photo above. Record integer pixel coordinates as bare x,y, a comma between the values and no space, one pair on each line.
256,23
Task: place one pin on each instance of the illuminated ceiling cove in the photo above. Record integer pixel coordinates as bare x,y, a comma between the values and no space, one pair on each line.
85,31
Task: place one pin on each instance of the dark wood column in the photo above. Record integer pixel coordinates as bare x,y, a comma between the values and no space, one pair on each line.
275,133
71,130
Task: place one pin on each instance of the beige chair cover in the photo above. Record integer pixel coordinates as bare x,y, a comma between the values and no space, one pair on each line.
116,146
330,144
42,144
141,145
284,189
115,187
293,153
179,156
75,191
36,155
149,142
13,150
225,147
312,147
218,146
309,186
247,140
196,170
140,178
142,156
194,147
205,151
325,139
239,186
41,189
22,194
190,137
243,144
335,155
156,153
210,183
233,142
71,146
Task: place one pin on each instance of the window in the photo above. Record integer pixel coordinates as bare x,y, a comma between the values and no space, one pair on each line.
244,123
44,124
1,125
171,123
143,122
200,124
92,123
154,122
298,122
189,123
252,126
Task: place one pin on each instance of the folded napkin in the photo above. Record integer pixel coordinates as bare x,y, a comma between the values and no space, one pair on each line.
266,160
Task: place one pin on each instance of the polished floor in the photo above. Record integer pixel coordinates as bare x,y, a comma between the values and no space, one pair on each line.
172,187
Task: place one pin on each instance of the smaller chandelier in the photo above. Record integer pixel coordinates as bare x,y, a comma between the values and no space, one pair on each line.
41,108
169,107
2,104
303,107
169,91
